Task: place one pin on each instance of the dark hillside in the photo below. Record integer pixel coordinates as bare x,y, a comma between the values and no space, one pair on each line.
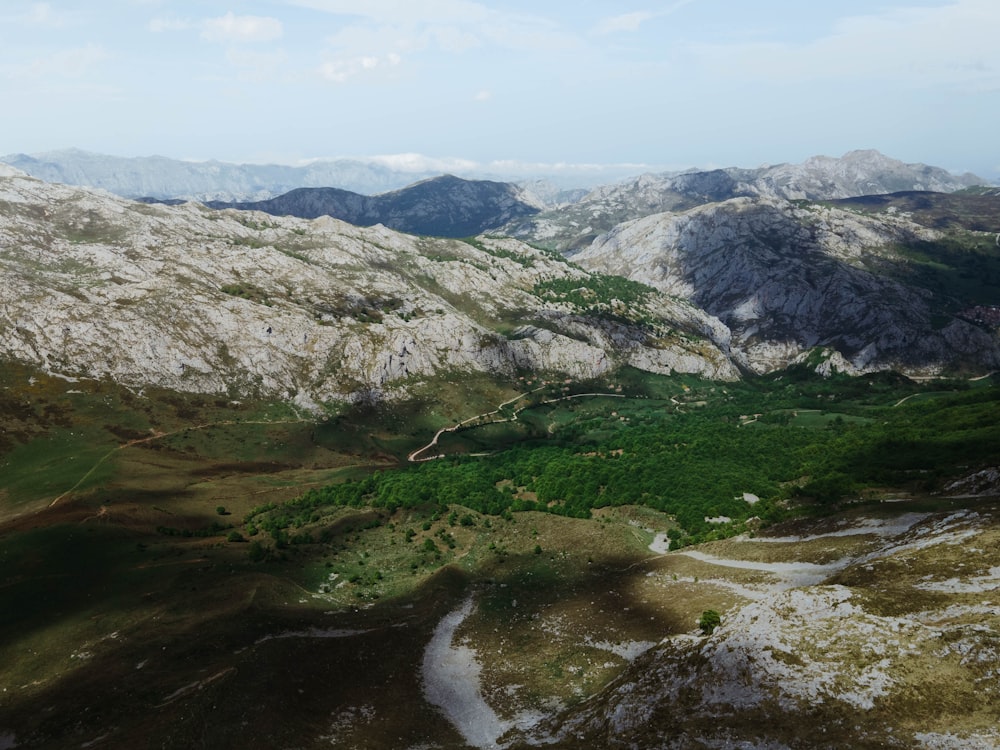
971,209
445,206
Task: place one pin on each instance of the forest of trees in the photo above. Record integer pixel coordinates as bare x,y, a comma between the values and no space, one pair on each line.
789,441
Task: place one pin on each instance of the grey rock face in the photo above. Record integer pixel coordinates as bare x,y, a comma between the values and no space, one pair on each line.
785,279
314,311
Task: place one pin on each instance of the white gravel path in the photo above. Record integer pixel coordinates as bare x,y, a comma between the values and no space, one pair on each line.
876,526
791,575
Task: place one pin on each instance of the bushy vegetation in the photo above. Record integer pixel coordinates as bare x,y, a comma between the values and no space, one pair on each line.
961,270
709,621
498,252
790,440
599,295
245,290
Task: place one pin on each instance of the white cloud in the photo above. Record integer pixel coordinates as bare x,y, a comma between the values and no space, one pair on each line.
68,63
513,167
483,96
447,25
632,22
626,22
414,162
404,11
953,44
41,14
360,39
452,39
160,25
233,28
421,163
257,67
342,70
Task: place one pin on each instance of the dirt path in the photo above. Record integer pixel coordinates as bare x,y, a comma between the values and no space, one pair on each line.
799,573
790,575
157,436
414,456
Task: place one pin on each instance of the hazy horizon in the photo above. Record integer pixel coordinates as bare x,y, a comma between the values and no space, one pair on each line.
566,176
662,86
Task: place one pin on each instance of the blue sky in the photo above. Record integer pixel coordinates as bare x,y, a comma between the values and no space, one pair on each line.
667,85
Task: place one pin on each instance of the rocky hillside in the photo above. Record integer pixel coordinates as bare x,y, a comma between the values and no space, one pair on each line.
873,632
446,206
315,311
785,279
819,178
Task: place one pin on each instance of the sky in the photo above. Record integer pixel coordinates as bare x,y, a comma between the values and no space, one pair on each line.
521,84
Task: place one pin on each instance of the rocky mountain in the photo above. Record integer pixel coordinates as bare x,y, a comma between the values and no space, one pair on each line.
446,206
785,279
864,172
313,311
163,178
857,173
319,310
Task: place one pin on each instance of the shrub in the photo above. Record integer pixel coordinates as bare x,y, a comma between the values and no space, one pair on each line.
709,621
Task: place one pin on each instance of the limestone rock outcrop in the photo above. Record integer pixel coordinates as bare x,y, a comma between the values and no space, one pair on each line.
785,279
244,303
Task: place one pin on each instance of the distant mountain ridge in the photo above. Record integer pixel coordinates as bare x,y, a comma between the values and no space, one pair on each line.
445,206
855,174
163,178
819,178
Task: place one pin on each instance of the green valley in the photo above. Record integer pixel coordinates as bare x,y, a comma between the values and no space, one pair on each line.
164,553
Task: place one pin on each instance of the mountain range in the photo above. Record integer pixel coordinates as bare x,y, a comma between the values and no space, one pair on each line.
857,173
319,310
163,178
313,311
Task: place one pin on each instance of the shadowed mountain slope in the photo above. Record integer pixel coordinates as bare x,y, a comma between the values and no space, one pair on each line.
446,206
785,279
